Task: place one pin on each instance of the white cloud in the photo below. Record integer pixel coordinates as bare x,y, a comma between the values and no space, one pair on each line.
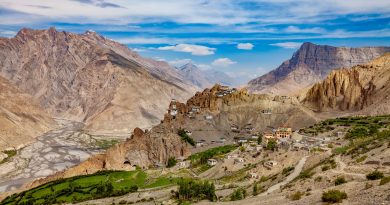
141,40
291,45
223,62
245,46
294,29
223,12
7,33
195,50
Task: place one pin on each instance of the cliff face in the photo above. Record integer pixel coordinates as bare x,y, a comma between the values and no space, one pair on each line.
361,88
90,78
21,118
310,64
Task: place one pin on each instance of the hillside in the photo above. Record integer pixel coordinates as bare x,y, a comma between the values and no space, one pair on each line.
88,78
364,88
310,64
21,118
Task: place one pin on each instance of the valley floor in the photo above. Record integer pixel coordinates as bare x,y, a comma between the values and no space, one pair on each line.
54,151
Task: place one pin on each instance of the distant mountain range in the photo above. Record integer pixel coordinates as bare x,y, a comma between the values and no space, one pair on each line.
89,78
204,78
310,64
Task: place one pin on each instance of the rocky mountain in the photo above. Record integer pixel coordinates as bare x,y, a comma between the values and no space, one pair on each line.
364,88
310,64
206,78
89,78
21,118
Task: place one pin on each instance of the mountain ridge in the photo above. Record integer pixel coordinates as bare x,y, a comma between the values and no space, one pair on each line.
310,64
87,77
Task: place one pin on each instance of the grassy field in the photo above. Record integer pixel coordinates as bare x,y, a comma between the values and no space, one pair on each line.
202,157
365,123
82,188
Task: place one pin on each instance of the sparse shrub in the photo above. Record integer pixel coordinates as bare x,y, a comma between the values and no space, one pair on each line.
325,167
333,196
339,180
184,136
287,170
374,175
385,180
255,189
361,159
238,194
318,179
296,196
171,162
306,174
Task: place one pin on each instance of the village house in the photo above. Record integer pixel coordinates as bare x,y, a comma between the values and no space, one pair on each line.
220,94
270,164
239,160
254,137
208,117
222,140
211,162
242,140
195,109
259,147
184,164
232,156
267,111
283,132
268,136
253,175
199,143
339,134
173,112
234,128
189,133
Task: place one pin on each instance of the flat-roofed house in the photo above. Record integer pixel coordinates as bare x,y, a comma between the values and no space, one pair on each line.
212,162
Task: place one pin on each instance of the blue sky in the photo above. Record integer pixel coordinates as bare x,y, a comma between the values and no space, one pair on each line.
245,38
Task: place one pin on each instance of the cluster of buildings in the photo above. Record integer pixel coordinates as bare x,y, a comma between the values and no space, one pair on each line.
225,90
248,128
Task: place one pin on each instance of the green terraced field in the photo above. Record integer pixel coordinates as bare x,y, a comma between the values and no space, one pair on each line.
82,188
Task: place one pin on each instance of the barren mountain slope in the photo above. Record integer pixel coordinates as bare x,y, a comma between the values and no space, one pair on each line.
204,78
364,88
310,64
90,78
21,118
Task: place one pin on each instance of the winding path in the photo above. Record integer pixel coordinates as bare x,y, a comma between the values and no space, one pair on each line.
341,166
297,170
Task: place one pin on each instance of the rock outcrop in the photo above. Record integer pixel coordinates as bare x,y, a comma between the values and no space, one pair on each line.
310,64
21,118
142,149
363,88
89,78
238,107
